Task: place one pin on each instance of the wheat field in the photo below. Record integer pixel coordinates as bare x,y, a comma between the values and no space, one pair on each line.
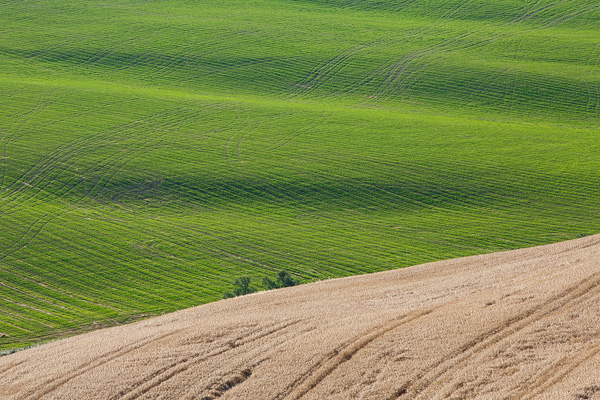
521,324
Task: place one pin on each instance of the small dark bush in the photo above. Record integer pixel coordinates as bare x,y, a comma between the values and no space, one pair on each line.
242,284
270,283
284,279
242,287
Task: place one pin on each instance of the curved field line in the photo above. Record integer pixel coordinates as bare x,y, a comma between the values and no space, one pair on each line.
573,295
28,116
393,69
37,297
115,167
396,75
557,373
560,369
318,372
166,373
26,238
218,389
48,165
245,125
592,92
256,353
50,160
103,359
299,132
76,150
10,366
328,69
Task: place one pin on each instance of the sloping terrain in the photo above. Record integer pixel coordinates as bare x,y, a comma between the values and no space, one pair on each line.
153,151
522,324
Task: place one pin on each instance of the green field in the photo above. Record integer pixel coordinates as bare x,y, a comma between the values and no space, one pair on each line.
151,151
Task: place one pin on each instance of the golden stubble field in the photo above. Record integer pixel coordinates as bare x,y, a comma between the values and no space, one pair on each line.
522,324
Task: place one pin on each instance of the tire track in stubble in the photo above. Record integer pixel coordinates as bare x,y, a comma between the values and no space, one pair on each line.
561,368
324,367
454,361
86,367
166,373
204,391
218,389
555,375
10,366
564,367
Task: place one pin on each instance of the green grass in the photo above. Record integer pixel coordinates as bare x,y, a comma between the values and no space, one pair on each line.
152,151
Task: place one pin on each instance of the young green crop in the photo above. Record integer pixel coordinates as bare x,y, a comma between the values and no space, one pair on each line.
151,152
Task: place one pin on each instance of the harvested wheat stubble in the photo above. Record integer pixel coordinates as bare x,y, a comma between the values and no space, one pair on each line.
521,324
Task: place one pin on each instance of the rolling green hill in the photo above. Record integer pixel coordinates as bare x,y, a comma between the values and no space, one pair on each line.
151,151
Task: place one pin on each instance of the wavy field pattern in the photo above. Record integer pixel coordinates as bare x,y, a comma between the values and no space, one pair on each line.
152,151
